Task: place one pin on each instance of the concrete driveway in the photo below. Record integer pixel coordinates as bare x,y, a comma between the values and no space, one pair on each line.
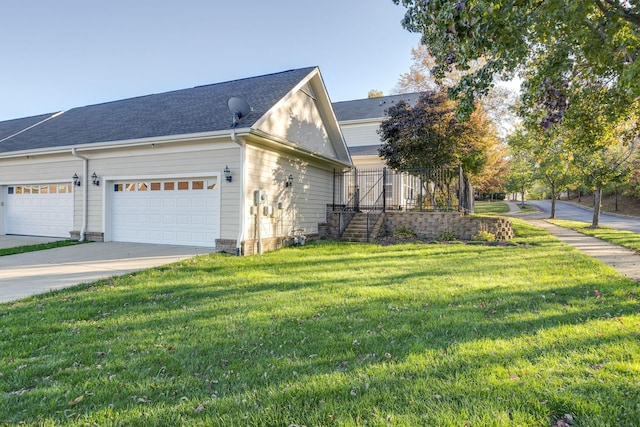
32,273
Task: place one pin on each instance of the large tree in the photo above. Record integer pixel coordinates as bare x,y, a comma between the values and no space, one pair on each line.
551,43
499,103
522,164
429,134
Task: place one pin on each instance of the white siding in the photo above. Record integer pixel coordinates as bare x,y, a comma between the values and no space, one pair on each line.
361,134
36,170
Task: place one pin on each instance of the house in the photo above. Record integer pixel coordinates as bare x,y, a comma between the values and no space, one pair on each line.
242,166
360,120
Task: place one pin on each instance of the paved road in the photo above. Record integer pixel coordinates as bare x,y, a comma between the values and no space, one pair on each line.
577,213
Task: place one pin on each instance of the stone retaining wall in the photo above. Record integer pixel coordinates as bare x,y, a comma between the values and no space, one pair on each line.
431,225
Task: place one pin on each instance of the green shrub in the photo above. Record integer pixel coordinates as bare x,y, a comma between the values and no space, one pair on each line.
403,231
484,236
447,236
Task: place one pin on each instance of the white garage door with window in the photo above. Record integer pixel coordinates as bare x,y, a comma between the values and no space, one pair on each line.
166,211
39,210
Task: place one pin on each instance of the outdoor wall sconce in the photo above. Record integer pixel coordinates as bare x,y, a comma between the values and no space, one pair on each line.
76,180
227,174
289,182
95,179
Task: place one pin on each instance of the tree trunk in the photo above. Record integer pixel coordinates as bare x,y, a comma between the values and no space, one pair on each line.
522,197
553,201
597,204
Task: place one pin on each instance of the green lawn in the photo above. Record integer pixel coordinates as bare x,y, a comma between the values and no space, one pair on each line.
37,247
619,237
334,334
490,207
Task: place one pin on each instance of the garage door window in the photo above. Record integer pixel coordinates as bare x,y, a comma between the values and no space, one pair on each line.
39,189
196,184
166,211
39,210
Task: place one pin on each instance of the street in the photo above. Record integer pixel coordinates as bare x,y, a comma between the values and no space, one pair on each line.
570,211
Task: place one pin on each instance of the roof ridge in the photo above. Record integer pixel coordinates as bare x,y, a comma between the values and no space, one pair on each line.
193,87
254,77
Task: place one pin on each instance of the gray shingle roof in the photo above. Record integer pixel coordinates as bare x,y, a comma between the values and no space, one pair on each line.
187,111
370,108
12,127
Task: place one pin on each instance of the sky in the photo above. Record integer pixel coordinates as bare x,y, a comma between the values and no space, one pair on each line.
57,55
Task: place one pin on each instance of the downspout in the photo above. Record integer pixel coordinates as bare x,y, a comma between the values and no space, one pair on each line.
85,192
235,139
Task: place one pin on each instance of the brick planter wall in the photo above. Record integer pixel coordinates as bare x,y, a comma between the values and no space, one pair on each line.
430,225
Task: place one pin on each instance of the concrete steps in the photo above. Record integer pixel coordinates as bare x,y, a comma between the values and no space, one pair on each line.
356,231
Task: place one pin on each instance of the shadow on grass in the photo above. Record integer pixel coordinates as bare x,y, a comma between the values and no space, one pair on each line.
334,334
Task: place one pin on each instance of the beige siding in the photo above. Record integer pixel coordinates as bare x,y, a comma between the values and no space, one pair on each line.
300,122
368,162
302,206
159,161
149,161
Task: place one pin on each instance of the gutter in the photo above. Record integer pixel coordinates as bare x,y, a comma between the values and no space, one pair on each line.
85,193
240,238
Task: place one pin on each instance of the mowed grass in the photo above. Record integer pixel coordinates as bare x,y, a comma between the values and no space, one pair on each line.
38,247
624,238
483,207
334,334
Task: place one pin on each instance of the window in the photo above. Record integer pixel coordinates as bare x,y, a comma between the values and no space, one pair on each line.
183,185
117,187
35,189
129,187
169,186
212,184
27,189
143,186
19,189
62,188
9,190
53,189
155,186
197,185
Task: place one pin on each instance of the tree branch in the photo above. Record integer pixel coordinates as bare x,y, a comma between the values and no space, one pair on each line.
608,6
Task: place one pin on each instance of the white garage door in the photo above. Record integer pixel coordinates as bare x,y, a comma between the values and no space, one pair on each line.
40,210
173,211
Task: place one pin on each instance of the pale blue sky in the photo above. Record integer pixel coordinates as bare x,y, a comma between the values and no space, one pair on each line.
61,54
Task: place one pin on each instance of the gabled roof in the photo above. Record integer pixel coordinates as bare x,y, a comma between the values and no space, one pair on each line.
370,108
200,109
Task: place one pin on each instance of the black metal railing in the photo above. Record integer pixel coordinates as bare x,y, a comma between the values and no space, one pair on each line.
419,189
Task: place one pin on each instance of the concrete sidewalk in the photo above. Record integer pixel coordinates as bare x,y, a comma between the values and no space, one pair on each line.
32,273
625,261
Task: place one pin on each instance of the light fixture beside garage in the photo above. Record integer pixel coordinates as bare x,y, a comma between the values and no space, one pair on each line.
76,180
227,174
95,179
289,181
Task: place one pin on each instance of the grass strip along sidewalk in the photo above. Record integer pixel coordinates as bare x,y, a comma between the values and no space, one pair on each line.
334,334
623,238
